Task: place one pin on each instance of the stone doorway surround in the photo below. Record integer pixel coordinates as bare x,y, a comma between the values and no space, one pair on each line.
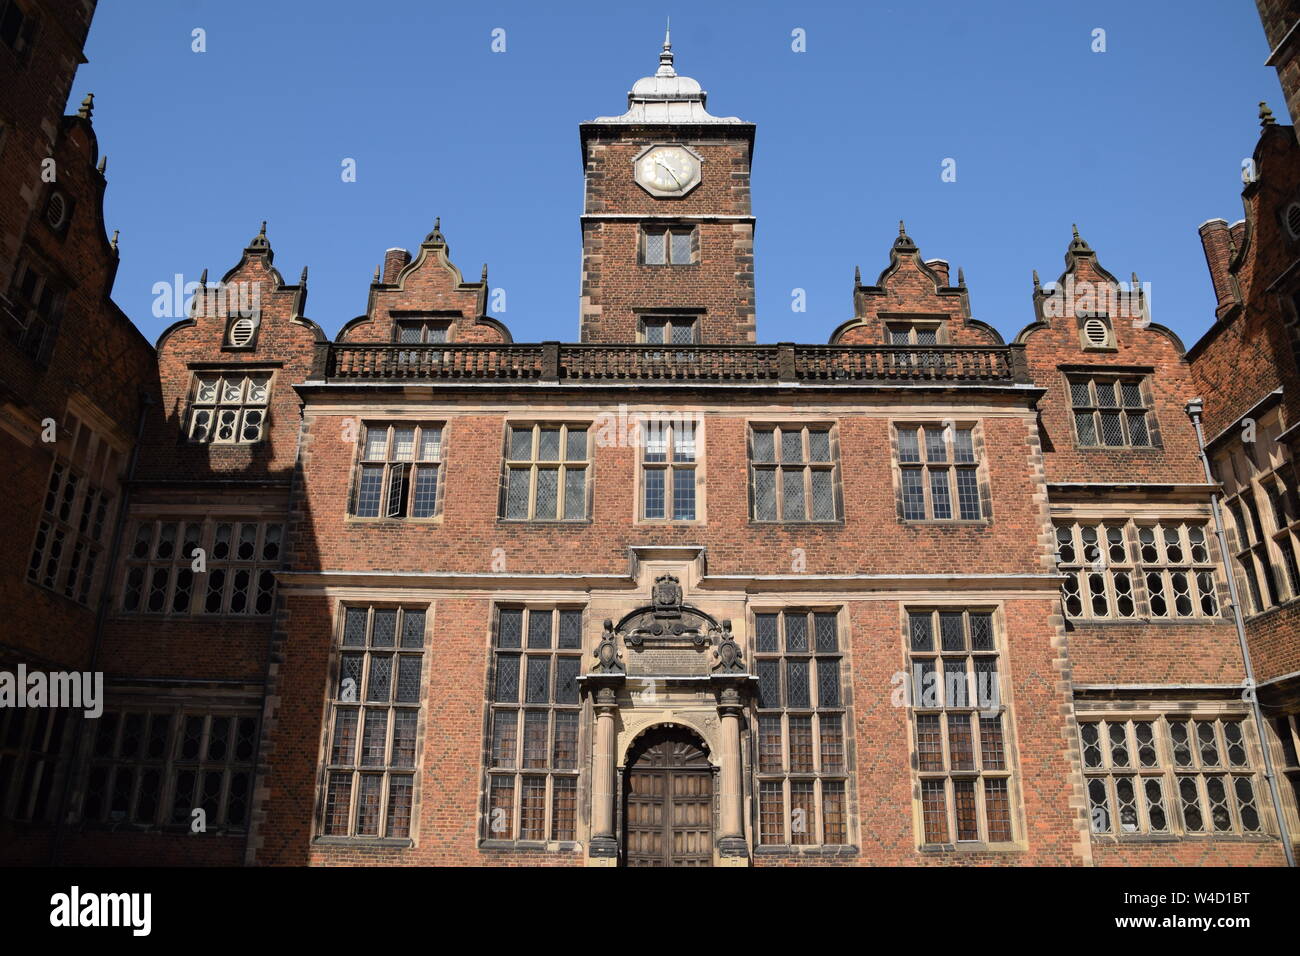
667,663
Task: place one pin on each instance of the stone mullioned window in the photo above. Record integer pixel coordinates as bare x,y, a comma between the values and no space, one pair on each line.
239,560
1262,501
960,735
546,472
154,766
793,472
374,713
1170,774
533,726
938,473
1118,569
399,471
76,514
229,408
801,774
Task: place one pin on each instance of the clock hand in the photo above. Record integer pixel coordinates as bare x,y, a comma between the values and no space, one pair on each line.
670,172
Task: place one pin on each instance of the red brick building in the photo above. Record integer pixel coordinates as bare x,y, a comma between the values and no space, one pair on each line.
422,594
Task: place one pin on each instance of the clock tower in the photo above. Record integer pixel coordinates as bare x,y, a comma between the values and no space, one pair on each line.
667,230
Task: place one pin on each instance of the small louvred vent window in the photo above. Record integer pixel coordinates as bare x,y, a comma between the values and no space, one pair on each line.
1293,220
1096,332
241,332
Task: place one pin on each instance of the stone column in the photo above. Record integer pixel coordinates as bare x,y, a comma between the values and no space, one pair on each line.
732,847
604,844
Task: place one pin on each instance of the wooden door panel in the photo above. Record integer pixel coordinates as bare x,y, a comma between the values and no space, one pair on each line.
668,800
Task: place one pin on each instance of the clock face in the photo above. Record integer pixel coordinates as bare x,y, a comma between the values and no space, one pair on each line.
668,170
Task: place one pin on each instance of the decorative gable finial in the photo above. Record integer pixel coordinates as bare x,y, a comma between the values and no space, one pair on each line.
87,107
203,279
103,165
1038,286
259,243
904,242
961,278
1265,116
1078,244
113,244
436,237
484,278
857,275
302,279
376,278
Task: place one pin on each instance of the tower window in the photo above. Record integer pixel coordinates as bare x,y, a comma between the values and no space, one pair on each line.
669,330
665,247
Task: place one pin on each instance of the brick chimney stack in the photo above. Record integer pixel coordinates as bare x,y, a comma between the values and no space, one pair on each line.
395,260
1216,237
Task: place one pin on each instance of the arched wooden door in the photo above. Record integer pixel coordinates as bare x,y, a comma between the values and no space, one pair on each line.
668,801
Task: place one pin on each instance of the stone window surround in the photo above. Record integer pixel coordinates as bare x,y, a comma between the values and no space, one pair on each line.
1019,842
982,472
699,466
1161,712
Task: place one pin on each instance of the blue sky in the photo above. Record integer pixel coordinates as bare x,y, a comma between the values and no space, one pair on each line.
1139,144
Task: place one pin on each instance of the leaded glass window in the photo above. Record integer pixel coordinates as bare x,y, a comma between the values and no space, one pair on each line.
802,763
546,471
534,725
793,473
960,728
374,715
1169,774
938,473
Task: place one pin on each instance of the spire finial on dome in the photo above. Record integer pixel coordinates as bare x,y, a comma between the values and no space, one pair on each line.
666,57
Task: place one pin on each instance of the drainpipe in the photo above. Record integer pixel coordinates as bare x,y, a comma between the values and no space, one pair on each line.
1194,409
101,615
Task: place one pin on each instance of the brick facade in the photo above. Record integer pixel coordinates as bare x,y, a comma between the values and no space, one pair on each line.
421,594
